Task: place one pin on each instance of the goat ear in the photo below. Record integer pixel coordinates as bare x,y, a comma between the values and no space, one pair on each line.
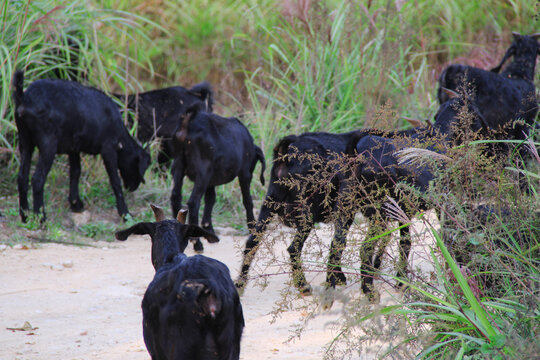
516,35
451,93
536,36
195,231
181,216
142,228
158,212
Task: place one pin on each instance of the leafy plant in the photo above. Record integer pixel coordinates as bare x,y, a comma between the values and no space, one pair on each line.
99,230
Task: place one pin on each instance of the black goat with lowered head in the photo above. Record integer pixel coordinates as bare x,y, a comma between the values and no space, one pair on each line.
191,309
503,97
65,117
212,150
157,112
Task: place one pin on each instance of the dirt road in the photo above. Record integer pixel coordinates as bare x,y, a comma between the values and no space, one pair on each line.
84,302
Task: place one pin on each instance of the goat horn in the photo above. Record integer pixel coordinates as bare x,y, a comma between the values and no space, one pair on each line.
451,93
158,212
181,216
413,122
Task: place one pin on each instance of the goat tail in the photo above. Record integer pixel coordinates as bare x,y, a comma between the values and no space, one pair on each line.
260,156
204,91
17,82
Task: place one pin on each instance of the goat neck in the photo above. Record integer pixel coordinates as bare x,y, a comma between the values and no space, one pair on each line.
165,244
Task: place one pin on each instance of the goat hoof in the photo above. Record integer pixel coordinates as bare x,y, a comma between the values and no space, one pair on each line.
373,297
198,246
327,299
304,289
327,304
76,206
336,279
209,228
240,286
401,285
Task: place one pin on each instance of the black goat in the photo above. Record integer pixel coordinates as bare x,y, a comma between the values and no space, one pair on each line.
65,117
378,172
157,112
294,158
212,150
501,97
191,309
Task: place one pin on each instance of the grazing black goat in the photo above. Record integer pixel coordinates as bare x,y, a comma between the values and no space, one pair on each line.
501,97
191,309
65,117
157,112
374,190
212,150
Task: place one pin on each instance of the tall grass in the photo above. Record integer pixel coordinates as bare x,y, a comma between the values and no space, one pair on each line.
68,41
334,66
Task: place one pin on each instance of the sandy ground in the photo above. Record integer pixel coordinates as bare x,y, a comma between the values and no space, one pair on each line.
84,302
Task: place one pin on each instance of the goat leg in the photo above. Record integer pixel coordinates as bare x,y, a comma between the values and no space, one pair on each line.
45,161
26,150
334,275
110,160
245,181
295,251
252,245
74,199
209,201
404,249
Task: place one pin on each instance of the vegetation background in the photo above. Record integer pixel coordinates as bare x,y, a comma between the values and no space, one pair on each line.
284,66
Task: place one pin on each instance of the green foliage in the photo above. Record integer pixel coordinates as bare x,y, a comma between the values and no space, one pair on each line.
98,230
481,301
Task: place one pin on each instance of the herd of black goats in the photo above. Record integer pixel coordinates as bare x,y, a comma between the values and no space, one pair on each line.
191,309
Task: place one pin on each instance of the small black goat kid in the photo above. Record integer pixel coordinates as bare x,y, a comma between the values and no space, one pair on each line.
157,112
65,117
212,150
191,309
